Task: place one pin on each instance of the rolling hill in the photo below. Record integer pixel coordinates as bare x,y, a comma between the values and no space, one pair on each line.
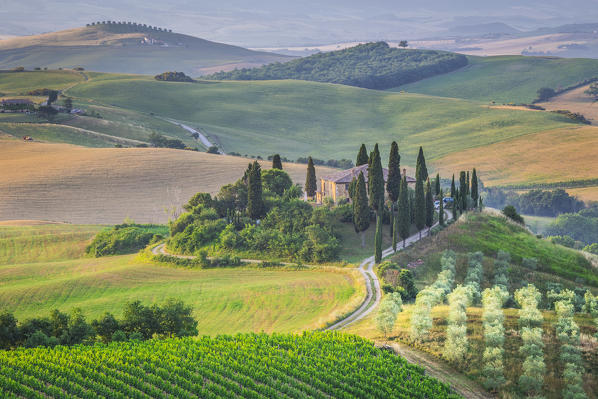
506,79
127,48
62,182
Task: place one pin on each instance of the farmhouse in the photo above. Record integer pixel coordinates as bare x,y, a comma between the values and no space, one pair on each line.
336,186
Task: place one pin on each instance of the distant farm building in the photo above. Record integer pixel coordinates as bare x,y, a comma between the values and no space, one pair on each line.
336,186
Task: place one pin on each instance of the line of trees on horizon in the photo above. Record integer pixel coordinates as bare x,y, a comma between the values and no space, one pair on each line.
130,23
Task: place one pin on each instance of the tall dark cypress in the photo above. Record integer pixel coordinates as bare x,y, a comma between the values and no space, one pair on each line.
376,181
352,188
453,188
393,181
311,184
420,204
420,166
474,188
429,205
276,162
362,156
378,238
467,185
441,210
395,232
361,210
463,191
437,184
255,202
404,218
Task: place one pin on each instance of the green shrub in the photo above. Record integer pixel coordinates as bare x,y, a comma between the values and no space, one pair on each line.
122,239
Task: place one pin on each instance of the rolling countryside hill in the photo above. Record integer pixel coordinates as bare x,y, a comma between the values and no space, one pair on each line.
127,49
506,79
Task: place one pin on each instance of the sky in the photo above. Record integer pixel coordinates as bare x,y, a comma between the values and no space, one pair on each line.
295,23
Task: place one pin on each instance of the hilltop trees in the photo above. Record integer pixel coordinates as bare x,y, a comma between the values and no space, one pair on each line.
376,181
429,205
420,203
255,202
474,188
420,167
362,156
378,239
441,210
437,185
311,184
361,210
276,162
393,181
463,191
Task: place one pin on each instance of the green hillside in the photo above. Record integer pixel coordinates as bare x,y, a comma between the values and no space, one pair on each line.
318,365
295,118
506,79
119,48
370,65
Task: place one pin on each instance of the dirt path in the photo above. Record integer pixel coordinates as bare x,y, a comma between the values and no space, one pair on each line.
201,137
460,383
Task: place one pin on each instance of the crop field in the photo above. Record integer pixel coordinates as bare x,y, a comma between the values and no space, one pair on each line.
575,100
553,155
506,79
296,118
319,365
62,182
43,268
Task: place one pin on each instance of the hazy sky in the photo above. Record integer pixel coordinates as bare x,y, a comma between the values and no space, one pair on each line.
282,22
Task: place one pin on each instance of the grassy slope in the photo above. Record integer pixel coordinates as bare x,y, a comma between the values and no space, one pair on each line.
83,185
103,50
224,300
19,83
506,79
290,117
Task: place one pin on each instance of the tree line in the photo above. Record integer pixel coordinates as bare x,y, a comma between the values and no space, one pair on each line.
370,65
534,202
139,322
134,26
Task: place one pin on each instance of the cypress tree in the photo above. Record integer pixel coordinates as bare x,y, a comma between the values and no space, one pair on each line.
352,187
310,180
276,162
362,156
441,210
255,202
393,182
395,224
429,205
420,204
376,181
403,217
411,199
453,188
378,237
467,185
463,191
361,210
437,185
474,188
420,167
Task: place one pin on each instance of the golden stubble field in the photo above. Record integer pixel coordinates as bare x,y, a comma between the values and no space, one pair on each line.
67,183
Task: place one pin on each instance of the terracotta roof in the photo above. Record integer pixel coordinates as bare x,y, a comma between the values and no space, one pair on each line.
345,176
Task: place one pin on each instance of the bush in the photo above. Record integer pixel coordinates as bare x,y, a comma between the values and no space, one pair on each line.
276,181
173,77
119,336
510,212
592,248
122,239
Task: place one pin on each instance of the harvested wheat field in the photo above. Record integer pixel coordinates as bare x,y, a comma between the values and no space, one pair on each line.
67,183
550,156
575,100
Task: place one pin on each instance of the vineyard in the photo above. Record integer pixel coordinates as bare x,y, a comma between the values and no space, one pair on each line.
319,365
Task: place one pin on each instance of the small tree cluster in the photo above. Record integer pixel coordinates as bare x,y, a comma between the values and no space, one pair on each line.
501,269
475,273
455,346
421,320
493,300
567,332
388,311
530,324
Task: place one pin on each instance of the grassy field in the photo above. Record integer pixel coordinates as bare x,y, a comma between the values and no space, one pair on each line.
576,101
38,272
538,224
62,182
110,49
531,158
19,83
506,79
290,117
472,365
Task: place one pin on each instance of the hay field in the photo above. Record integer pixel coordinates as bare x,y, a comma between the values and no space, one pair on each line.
555,155
224,300
576,101
66,183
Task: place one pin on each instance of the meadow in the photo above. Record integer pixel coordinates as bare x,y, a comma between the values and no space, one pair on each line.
61,182
42,269
506,79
